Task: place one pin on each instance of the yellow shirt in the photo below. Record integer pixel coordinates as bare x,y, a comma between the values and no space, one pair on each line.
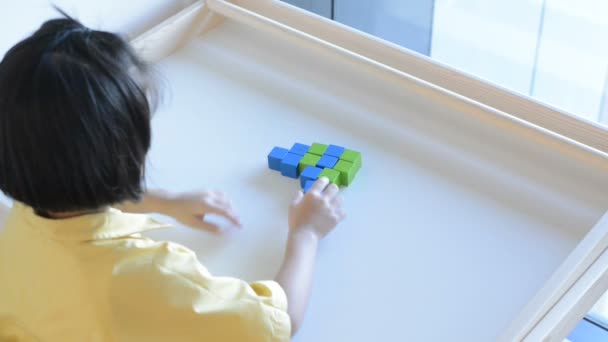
94,278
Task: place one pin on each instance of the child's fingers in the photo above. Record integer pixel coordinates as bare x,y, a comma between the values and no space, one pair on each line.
337,201
227,213
218,194
225,206
234,218
196,222
319,185
298,198
221,207
331,191
220,202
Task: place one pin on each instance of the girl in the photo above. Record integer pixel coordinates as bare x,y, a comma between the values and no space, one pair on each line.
74,134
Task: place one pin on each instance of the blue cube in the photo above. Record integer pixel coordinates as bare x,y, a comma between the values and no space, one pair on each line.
307,185
299,149
310,173
334,151
289,165
275,156
327,162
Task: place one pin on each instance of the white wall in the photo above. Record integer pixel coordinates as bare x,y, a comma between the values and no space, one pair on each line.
404,22
573,56
497,41
494,40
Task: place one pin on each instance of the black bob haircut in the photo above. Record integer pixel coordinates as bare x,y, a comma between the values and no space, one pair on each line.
74,119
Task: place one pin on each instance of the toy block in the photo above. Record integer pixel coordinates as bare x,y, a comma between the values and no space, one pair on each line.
347,170
289,165
308,160
318,149
299,149
308,185
275,156
331,174
327,162
334,151
352,156
310,173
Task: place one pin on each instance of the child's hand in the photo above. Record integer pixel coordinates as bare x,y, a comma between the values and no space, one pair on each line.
191,208
319,211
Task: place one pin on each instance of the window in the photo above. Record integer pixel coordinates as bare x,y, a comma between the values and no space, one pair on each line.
552,50
591,329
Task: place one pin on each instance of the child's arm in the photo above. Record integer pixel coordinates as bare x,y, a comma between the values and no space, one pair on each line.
151,202
311,217
189,209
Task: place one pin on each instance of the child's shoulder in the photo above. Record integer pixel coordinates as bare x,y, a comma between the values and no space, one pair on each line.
140,254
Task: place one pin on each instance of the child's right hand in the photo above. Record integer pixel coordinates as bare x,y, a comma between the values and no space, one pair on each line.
319,211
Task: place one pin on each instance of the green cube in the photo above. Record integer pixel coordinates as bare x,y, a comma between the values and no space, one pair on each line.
317,149
308,160
353,157
332,175
347,171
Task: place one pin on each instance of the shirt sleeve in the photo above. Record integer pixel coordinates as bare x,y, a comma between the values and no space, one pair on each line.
161,292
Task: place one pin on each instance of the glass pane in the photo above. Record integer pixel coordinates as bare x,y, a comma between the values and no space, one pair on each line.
404,22
552,50
590,329
573,56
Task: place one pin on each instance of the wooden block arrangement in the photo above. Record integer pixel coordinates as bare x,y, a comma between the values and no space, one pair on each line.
310,162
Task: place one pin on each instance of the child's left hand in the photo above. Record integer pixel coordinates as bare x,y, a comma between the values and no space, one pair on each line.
191,208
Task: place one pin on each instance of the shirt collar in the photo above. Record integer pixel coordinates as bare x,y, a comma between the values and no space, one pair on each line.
109,224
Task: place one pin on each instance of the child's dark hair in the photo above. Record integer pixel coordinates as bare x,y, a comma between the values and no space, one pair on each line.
74,119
